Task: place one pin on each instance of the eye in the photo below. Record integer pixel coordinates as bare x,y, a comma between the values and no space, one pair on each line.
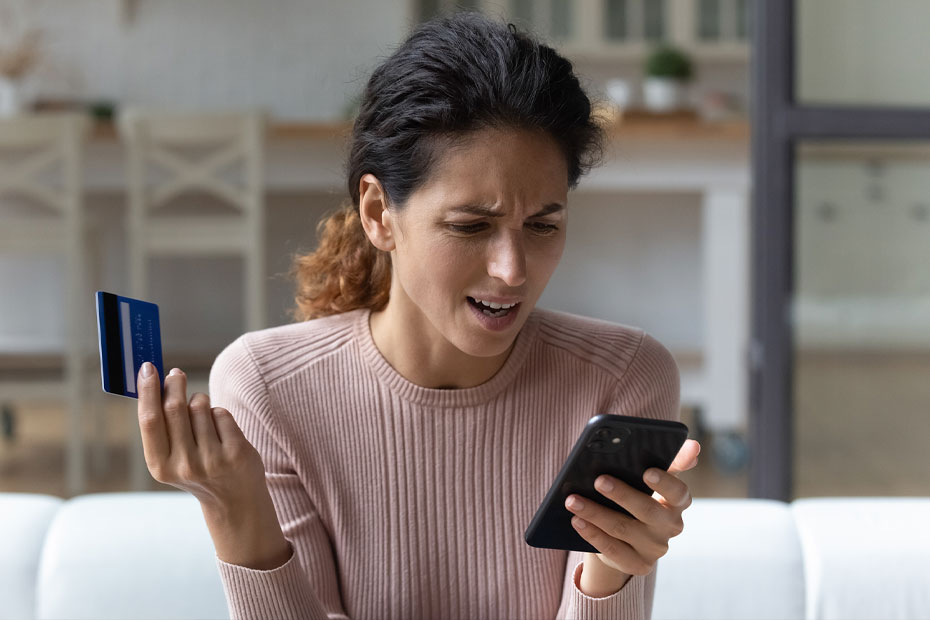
468,228
543,227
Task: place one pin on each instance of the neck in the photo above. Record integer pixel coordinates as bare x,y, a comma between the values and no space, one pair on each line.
422,355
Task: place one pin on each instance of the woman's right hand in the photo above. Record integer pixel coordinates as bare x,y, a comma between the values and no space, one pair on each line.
200,449
195,447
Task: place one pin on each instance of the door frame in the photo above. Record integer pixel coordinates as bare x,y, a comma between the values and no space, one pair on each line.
779,123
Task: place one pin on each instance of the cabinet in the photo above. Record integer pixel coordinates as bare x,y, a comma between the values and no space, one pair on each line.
628,29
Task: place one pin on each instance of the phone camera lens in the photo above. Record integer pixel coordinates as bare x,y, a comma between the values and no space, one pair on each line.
602,433
596,445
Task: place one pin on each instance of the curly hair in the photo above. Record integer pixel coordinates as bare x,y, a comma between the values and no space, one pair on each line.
452,76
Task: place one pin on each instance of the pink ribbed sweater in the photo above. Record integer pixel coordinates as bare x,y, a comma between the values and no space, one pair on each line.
408,502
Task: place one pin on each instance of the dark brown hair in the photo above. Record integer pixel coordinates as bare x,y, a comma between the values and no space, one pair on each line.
452,76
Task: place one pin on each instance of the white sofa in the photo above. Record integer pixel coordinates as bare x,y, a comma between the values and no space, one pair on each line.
148,555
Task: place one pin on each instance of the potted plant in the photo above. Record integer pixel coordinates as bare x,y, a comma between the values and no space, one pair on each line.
668,70
19,54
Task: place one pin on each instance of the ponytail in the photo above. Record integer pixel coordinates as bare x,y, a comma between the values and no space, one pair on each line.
345,272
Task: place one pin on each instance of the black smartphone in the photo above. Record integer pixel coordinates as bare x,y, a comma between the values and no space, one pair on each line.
620,446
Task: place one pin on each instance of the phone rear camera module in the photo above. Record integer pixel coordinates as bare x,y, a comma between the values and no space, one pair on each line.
603,447
602,433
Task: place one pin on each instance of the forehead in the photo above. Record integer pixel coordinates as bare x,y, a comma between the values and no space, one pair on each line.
499,166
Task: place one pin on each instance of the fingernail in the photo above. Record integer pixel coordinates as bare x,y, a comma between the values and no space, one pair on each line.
146,370
652,476
603,484
575,503
579,523
174,371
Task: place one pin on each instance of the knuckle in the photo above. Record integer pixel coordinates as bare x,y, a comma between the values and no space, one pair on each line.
200,403
619,528
175,406
642,568
148,421
189,470
214,465
661,549
609,548
678,527
654,512
156,471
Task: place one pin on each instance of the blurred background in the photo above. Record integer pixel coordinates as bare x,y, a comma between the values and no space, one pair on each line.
663,235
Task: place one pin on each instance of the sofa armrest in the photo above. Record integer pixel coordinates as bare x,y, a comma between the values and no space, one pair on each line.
24,522
130,555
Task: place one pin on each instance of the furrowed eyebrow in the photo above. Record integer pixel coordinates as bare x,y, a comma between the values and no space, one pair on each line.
488,212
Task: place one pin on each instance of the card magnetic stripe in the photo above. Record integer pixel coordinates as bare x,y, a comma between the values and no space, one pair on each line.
113,352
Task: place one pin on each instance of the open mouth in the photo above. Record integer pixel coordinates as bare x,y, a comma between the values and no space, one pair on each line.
492,309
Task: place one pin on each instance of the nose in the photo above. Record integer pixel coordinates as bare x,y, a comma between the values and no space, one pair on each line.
507,259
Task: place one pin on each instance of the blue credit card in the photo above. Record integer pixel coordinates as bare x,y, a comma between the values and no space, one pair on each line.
129,335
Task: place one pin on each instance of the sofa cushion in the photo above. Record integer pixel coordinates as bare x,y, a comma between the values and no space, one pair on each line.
130,555
26,518
736,558
866,557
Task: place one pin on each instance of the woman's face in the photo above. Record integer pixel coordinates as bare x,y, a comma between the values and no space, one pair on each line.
487,229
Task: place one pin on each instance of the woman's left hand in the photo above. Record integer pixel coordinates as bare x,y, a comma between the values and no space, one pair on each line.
631,546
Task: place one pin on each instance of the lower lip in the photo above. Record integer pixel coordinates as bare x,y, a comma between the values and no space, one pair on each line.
495,323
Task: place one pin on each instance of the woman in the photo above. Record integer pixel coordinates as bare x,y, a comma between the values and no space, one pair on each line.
406,429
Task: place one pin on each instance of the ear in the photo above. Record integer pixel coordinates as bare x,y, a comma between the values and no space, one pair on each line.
374,213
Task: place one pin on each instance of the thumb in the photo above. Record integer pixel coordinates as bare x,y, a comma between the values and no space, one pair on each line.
687,457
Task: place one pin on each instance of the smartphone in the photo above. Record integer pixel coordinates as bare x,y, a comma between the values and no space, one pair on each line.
620,446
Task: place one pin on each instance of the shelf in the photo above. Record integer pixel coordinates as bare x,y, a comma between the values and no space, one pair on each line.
634,53
638,123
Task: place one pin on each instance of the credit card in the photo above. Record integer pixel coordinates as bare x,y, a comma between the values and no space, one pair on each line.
129,335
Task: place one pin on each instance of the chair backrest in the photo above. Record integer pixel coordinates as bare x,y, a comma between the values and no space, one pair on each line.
41,162
39,143
157,138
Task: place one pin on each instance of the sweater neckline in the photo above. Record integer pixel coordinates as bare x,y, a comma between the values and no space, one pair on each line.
455,397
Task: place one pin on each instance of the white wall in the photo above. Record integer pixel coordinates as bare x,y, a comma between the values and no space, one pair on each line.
634,259
303,59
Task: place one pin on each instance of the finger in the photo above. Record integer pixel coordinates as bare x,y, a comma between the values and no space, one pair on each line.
205,437
155,445
226,428
620,553
180,433
641,505
616,525
671,490
686,457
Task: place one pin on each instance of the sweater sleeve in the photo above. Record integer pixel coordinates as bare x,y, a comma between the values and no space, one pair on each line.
650,388
306,585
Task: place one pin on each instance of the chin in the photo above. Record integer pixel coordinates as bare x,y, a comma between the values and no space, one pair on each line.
489,344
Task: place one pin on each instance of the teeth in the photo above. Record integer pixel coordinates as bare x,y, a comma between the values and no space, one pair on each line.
494,306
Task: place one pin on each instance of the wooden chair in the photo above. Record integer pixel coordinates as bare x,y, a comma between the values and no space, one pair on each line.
42,216
171,154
